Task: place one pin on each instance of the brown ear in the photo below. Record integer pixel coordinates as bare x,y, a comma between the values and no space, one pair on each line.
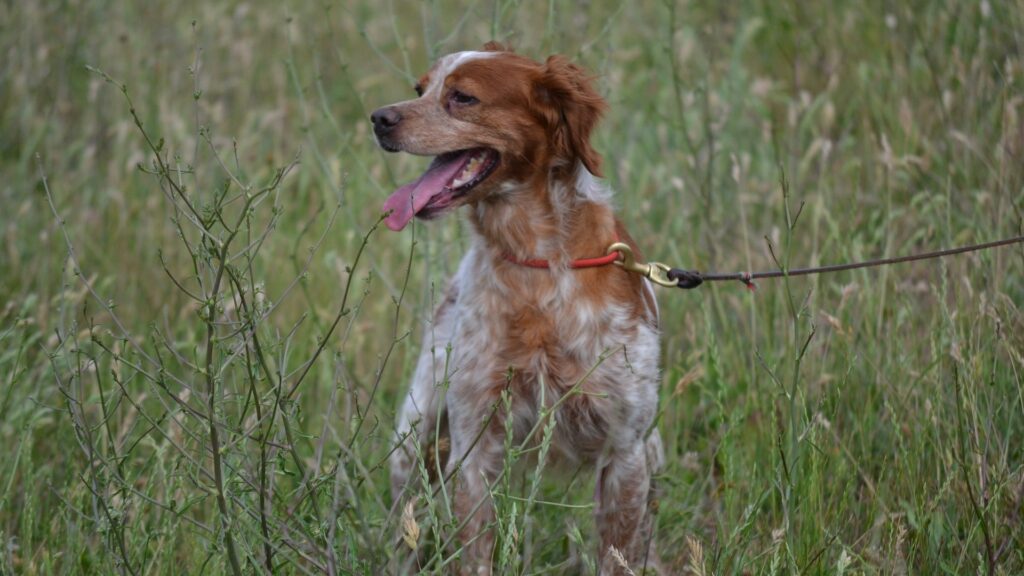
574,109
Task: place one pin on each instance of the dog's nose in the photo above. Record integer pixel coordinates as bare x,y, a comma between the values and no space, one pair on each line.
385,119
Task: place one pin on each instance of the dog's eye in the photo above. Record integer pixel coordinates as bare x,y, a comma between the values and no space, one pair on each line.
419,89
462,99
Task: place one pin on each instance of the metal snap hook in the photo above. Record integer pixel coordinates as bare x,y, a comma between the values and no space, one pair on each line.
654,271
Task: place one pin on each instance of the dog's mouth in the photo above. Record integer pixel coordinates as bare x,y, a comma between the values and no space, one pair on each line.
449,177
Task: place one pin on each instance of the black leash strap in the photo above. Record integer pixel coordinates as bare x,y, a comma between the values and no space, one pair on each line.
689,279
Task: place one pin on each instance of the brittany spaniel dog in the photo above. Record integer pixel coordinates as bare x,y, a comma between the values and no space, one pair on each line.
537,320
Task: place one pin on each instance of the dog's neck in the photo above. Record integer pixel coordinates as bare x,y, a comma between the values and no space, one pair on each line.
559,218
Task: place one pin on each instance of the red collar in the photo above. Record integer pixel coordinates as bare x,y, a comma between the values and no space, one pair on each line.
580,263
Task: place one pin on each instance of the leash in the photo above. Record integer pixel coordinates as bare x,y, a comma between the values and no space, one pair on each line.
664,275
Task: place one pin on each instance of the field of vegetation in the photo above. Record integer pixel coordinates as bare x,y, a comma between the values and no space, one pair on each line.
204,335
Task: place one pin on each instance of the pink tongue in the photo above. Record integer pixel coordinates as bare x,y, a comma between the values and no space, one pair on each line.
409,199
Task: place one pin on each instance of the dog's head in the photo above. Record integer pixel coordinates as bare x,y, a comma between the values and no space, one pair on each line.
488,117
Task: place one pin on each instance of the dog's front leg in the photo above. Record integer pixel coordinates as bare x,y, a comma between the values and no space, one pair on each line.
476,458
421,412
623,516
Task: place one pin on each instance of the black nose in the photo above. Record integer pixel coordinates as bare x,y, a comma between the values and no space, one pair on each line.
384,119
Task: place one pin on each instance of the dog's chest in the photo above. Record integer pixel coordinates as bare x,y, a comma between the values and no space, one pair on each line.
547,334
541,331
599,366
546,345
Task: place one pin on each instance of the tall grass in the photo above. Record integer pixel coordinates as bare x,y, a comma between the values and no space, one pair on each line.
204,336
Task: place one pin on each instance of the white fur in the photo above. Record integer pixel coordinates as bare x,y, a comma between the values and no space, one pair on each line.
449,64
589,187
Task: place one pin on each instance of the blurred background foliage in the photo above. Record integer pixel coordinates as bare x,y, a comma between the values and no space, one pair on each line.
891,446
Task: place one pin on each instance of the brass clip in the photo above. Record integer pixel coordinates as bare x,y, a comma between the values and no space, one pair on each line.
654,271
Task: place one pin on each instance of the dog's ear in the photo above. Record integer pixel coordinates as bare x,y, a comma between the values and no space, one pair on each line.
572,108
493,46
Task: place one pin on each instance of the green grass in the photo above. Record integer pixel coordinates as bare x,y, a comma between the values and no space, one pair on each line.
863,422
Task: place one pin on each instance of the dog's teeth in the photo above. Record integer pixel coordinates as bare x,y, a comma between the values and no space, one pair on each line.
469,171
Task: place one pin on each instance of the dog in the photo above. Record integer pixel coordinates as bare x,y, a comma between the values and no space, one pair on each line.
537,313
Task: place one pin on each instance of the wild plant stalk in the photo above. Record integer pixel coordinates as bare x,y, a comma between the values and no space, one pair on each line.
217,231
96,484
791,456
